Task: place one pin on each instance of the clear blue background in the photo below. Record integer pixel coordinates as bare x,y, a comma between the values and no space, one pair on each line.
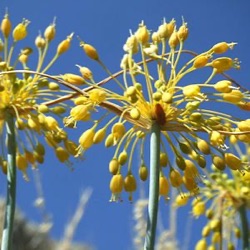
106,24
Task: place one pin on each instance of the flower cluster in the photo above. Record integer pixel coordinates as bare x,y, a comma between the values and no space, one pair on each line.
221,199
28,96
156,87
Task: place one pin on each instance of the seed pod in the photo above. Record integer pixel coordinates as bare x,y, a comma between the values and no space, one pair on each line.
131,45
185,147
190,171
163,159
71,147
190,184
6,26
180,162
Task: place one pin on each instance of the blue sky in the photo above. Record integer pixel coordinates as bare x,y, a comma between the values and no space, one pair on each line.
106,25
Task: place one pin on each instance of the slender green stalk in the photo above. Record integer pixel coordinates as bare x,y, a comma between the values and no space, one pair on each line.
245,229
11,184
153,187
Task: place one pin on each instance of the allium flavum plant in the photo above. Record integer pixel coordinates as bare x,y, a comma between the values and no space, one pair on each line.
155,97
25,112
158,98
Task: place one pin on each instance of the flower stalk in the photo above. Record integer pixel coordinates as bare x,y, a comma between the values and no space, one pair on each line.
153,187
11,184
245,229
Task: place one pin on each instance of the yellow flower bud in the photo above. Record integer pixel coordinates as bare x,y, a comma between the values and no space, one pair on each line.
190,171
20,31
223,86
61,154
222,47
73,79
135,113
163,31
191,91
223,64
142,34
6,25
185,147
163,186
156,37
173,40
97,95
175,178
29,157
201,245
131,44
183,32
40,42
64,45
199,208
71,147
167,97
79,112
53,86
50,32
109,141
216,139
51,123
118,130
86,72
235,96
219,162
90,51
201,61
43,108
21,162
33,124
86,139
80,100
143,172
232,161
216,238
116,184
181,200
163,159
206,231
58,110
215,224
99,135
203,146
130,184
123,156
114,166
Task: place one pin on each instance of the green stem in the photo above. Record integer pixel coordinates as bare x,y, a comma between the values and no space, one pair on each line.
153,187
11,184
245,229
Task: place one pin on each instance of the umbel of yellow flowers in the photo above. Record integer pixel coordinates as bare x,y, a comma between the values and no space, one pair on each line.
24,96
154,86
